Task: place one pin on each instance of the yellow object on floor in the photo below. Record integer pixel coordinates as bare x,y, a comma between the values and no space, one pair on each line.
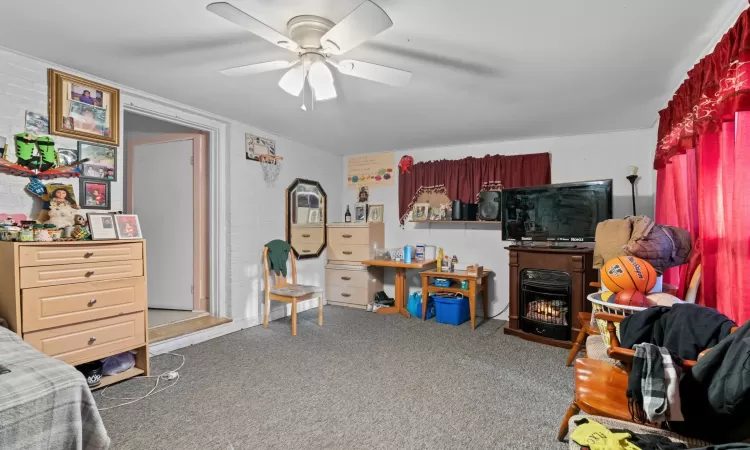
598,437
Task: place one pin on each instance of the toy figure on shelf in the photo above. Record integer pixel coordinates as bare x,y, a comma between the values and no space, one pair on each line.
47,153
25,145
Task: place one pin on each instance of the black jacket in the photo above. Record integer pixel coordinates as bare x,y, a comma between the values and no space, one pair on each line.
684,329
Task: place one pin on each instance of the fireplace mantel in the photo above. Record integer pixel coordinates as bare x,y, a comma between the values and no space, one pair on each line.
576,262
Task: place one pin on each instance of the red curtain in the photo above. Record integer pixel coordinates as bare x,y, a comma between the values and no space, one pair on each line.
703,171
464,179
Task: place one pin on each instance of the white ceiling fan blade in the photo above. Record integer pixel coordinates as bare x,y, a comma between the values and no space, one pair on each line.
366,21
321,80
374,72
252,69
251,24
292,81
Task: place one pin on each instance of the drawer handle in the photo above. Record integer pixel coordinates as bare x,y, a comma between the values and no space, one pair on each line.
347,253
306,251
92,339
346,278
346,295
88,254
305,235
89,273
539,331
346,236
92,302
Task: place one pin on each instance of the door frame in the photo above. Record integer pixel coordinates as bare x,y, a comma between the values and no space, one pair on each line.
200,164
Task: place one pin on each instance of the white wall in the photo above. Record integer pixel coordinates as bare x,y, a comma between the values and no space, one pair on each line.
255,210
574,158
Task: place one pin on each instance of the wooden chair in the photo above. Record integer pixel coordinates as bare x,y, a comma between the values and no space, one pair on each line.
600,386
283,291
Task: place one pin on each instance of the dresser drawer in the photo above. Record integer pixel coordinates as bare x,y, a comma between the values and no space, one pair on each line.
40,276
48,255
342,252
87,341
348,278
307,235
349,295
55,306
349,235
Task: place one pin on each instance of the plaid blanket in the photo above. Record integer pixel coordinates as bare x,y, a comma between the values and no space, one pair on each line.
653,385
45,403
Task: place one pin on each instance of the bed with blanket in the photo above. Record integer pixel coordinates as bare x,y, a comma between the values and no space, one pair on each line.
44,402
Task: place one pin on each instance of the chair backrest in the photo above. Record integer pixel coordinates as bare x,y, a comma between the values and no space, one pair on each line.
695,283
278,280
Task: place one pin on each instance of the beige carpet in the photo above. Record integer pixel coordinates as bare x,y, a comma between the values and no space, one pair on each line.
160,317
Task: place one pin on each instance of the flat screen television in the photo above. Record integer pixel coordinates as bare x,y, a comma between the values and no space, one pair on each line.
566,212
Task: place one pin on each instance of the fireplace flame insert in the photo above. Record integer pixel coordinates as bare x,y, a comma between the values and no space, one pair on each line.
545,303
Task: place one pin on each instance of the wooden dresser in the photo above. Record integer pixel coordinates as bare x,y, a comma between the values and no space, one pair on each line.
78,301
348,282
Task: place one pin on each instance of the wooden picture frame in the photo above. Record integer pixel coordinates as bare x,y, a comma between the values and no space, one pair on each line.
83,109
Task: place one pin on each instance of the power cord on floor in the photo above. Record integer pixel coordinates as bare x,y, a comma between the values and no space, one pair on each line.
166,376
506,307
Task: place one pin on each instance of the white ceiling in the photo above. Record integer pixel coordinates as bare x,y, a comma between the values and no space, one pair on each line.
483,69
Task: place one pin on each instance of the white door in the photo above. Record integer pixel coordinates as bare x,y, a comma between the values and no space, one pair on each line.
163,200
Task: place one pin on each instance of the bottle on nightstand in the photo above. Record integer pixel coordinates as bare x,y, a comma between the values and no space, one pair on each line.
348,215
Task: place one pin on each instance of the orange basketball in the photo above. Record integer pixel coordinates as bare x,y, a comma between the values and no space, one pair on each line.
628,272
631,298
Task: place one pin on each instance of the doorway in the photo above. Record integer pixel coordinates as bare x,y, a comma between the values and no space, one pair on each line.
166,185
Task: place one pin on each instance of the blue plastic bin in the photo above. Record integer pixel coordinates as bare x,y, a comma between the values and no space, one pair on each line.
451,310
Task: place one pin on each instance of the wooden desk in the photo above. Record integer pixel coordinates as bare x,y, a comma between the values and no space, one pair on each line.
458,275
401,287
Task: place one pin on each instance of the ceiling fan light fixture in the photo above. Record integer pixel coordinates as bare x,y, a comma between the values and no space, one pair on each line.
321,80
292,81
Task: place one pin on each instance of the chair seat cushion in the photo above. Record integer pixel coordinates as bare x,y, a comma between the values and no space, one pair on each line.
296,290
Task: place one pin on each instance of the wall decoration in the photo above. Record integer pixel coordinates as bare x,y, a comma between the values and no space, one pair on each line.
35,157
256,146
420,211
360,212
406,163
37,123
363,195
370,170
375,213
102,226
83,109
102,161
95,194
128,226
67,156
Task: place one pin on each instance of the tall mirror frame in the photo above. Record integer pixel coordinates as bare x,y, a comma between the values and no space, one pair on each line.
306,235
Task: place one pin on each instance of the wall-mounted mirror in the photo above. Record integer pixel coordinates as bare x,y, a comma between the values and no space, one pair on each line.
306,214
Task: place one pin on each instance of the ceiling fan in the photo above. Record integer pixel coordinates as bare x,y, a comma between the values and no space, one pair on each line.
315,40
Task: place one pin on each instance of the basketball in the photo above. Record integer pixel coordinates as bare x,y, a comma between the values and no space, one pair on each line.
628,272
631,297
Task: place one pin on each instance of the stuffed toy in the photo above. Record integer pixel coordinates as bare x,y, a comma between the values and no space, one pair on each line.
80,233
61,215
405,164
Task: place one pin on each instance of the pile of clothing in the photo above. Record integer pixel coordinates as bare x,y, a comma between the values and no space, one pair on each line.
712,400
662,246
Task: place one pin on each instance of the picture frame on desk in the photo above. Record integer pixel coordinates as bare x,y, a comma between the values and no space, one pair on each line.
102,226
375,213
360,213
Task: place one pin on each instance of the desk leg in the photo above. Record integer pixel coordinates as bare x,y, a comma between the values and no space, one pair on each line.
399,296
473,302
425,296
486,298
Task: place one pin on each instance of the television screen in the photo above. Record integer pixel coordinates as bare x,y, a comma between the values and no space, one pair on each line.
565,212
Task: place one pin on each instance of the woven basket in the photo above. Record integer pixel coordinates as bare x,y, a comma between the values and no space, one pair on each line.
598,305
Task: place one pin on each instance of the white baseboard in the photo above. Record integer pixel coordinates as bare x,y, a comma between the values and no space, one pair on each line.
235,325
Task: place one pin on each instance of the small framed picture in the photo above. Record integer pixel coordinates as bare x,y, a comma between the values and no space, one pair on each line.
420,211
128,226
360,212
66,156
375,213
94,194
102,226
102,161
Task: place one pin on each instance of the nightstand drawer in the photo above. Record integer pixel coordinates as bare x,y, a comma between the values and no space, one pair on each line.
349,235
348,278
350,295
47,255
54,306
41,276
87,341
341,252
